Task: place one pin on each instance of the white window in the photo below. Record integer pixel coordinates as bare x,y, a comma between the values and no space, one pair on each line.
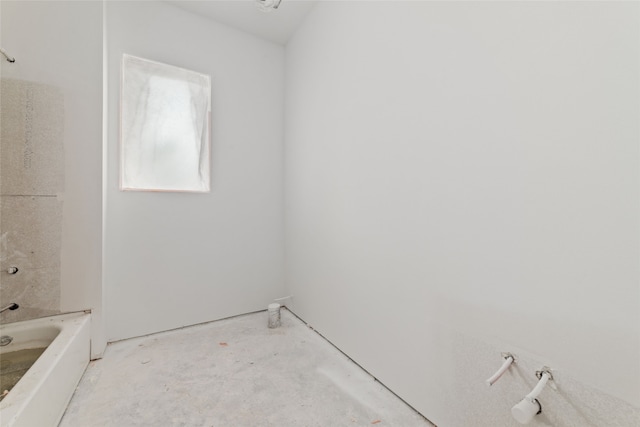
164,127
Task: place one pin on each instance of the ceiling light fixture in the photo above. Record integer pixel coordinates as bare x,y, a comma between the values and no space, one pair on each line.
268,5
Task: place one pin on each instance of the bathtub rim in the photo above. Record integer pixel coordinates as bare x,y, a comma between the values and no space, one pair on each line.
26,391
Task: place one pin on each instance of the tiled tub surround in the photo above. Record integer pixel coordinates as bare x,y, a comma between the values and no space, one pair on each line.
31,184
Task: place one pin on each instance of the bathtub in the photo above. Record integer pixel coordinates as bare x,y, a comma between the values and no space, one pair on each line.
42,394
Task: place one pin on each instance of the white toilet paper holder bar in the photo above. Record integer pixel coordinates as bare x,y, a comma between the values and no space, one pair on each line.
508,360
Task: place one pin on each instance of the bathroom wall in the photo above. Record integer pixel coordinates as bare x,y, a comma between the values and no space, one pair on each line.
51,157
461,180
175,259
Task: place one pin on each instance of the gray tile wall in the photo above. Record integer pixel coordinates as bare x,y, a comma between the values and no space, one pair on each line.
31,187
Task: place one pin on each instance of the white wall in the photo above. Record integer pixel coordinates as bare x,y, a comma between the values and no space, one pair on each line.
462,179
60,44
175,259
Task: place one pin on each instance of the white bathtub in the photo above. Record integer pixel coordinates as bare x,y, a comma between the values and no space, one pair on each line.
42,394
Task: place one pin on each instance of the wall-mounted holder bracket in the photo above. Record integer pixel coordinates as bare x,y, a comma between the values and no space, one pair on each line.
547,370
506,355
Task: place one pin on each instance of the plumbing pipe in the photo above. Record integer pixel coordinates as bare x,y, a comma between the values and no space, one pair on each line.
274,315
7,56
529,407
12,306
545,376
508,360
525,410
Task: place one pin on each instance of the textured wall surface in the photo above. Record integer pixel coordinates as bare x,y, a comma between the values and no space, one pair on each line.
31,182
461,180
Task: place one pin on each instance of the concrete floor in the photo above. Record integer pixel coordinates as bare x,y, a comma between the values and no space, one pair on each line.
233,373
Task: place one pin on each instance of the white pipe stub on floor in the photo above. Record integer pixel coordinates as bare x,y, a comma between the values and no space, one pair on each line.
274,315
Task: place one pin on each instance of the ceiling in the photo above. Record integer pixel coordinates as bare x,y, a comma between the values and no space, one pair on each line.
276,26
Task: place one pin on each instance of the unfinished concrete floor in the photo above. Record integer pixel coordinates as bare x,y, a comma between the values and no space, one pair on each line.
233,373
